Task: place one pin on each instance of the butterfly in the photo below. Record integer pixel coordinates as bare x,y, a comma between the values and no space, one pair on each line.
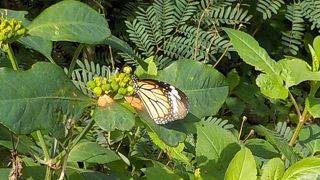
164,102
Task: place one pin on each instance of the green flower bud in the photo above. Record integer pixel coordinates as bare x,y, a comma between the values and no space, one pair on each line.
11,30
91,84
98,80
122,84
104,80
126,79
106,87
127,70
130,90
122,91
114,86
97,91
121,76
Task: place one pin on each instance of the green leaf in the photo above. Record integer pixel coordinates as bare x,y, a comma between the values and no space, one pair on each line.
168,136
314,106
92,152
174,152
4,173
114,116
295,71
33,42
235,105
70,21
273,169
35,172
248,48
316,55
310,137
38,99
117,43
37,43
215,147
308,168
85,174
233,79
315,59
251,53
207,91
261,148
154,173
242,166
277,141
151,69
271,86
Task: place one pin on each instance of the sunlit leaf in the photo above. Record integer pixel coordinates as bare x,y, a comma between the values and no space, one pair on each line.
308,168
70,21
215,148
273,169
242,166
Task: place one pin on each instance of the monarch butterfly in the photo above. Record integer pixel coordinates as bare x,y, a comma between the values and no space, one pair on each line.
164,102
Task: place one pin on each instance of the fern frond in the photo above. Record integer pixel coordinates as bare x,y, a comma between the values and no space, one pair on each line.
206,4
311,10
129,58
227,15
150,21
184,10
183,46
284,131
269,7
293,39
219,122
138,35
86,71
165,12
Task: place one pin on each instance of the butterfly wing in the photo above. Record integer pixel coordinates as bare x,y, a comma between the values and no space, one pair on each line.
163,102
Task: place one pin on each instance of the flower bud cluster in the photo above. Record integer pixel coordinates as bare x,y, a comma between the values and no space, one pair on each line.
11,30
117,84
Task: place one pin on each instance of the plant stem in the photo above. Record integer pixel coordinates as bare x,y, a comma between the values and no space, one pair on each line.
74,58
12,57
302,120
295,105
46,154
76,140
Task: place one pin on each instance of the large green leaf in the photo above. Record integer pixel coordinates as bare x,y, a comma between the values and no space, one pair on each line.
174,152
92,152
262,148
160,172
278,141
215,147
33,42
114,116
37,98
170,137
308,168
271,86
273,169
70,21
4,173
205,87
295,71
270,82
242,166
251,53
85,174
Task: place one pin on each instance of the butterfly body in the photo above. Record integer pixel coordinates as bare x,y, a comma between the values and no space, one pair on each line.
164,102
